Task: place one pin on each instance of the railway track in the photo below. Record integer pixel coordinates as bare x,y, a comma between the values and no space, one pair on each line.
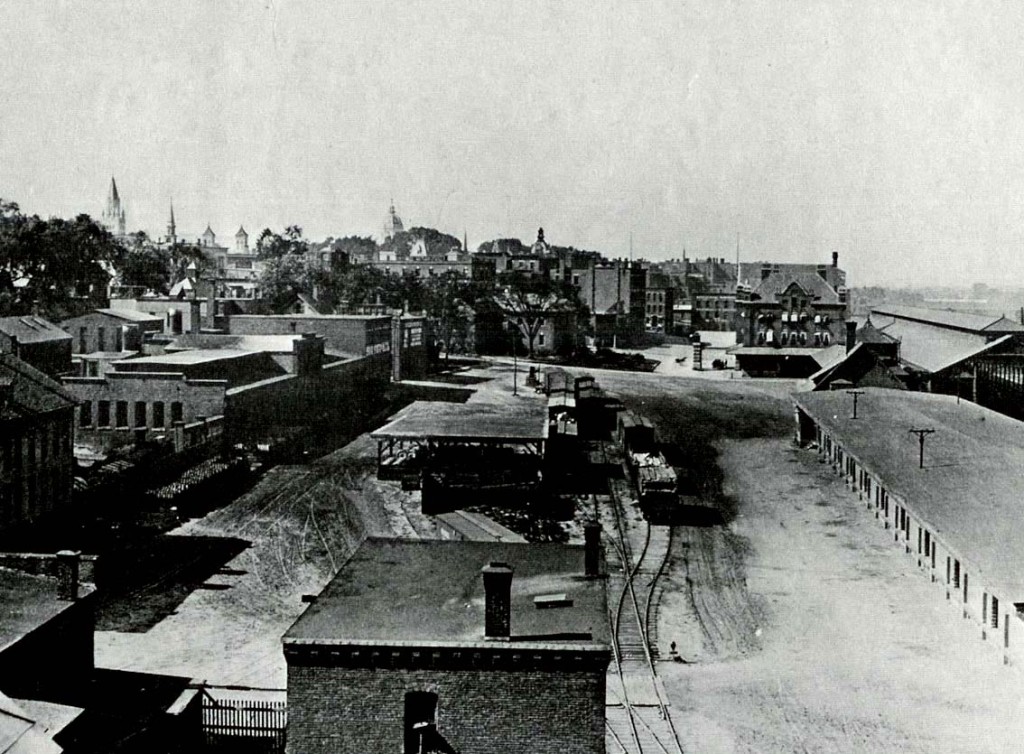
641,723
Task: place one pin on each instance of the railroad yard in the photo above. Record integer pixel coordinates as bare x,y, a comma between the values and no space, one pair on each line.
759,622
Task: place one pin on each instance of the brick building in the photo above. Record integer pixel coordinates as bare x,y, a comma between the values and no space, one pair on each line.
616,295
474,647
37,342
36,431
110,330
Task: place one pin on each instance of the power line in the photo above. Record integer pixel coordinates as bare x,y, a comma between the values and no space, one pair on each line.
921,433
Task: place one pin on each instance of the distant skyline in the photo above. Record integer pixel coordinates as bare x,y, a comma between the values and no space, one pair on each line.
889,132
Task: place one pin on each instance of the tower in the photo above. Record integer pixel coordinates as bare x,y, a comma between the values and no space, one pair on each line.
241,241
209,238
113,216
392,223
172,235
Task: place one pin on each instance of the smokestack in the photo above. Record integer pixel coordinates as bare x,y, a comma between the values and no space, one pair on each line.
851,335
497,601
592,549
67,575
835,258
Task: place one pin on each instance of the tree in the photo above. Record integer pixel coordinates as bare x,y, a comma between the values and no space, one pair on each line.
283,279
145,264
449,304
437,244
272,245
55,268
527,300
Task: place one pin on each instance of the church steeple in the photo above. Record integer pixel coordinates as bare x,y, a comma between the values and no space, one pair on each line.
113,218
172,235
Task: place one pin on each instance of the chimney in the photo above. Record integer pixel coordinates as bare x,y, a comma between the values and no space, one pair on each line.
851,334
497,601
308,353
766,270
835,258
195,320
592,549
67,575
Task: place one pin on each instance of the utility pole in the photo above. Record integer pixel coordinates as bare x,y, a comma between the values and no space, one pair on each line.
515,364
856,394
921,433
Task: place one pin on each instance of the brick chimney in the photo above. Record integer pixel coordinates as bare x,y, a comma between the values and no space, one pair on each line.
851,334
835,258
67,575
497,601
592,549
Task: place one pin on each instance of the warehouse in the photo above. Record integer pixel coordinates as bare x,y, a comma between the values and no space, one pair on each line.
943,476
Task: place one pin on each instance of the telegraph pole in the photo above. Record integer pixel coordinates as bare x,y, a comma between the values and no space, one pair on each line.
856,394
921,433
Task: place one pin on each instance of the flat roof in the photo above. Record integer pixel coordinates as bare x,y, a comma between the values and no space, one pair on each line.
28,602
196,356
131,315
434,419
970,489
312,316
431,593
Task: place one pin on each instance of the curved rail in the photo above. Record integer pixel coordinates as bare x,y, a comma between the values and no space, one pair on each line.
630,569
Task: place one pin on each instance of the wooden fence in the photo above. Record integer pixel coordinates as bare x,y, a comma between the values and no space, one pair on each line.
244,725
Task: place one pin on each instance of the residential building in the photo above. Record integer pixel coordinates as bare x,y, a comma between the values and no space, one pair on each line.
475,647
37,420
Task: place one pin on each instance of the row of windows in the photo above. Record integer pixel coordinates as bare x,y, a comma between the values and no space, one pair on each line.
156,412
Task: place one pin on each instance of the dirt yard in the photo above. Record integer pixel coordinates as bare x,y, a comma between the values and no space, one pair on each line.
803,628
302,523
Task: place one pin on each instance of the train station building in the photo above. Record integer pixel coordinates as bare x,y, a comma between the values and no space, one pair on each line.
474,647
952,503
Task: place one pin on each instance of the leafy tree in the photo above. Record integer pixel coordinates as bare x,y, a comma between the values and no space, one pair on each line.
507,245
145,264
55,268
272,245
438,244
283,279
449,300
526,300
354,248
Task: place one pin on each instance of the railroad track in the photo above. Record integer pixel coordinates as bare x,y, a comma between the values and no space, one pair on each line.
642,724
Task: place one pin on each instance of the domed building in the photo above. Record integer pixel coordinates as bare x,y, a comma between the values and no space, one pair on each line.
392,223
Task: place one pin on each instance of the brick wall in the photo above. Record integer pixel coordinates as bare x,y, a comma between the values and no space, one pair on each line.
354,335
36,465
341,710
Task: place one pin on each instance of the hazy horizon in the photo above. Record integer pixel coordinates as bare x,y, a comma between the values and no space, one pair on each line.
891,134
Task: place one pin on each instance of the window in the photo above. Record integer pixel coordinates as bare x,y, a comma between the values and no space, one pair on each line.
83,341
101,339
85,414
420,720
176,412
140,414
122,414
956,573
103,413
158,414
995,611
540,339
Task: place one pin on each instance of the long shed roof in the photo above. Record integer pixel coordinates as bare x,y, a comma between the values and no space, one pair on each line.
970,489
436,420
951,319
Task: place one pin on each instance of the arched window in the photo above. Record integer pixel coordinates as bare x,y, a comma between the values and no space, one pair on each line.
784,337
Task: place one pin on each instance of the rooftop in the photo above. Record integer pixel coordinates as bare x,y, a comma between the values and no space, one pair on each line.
131,315
432,419
28,602
933,348
778,282
31,329
977,323
430,593
969,490
195,356
32,392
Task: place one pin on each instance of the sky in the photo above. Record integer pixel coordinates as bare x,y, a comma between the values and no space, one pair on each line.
889,132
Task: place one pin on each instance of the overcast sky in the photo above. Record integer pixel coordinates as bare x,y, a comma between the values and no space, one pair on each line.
891,132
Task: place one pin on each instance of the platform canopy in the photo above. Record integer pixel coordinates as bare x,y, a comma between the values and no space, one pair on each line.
467,422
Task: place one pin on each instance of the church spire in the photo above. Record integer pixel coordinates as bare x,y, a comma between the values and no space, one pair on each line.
172,235
113,218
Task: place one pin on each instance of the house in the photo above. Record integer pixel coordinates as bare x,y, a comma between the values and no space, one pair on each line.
475,647
37,418
106,335
37,342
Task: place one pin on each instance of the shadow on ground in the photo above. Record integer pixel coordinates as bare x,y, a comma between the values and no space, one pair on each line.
143,584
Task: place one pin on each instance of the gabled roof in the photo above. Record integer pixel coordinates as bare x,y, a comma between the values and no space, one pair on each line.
32,392
868,333
778,283
31,329
932,348
951,319
21,733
